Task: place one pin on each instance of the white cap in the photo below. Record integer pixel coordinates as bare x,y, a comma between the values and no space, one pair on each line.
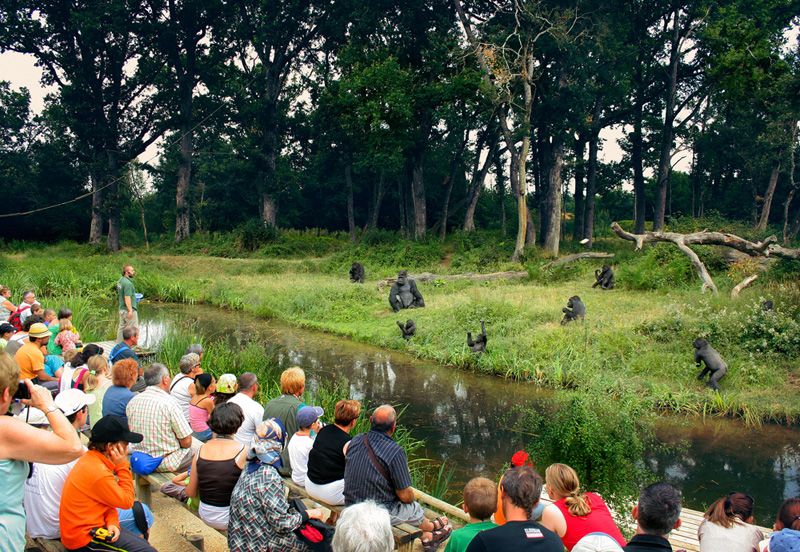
71,401
597,542
33,416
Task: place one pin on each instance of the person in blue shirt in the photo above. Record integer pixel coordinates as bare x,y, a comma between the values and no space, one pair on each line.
123,376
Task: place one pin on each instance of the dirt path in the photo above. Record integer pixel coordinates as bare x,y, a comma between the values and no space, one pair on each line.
173,523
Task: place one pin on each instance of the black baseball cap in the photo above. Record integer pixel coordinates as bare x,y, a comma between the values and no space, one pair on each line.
110,429
5,327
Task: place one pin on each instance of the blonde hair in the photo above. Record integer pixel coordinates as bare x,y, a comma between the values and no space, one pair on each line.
70,355
346,411
564,481
97,365
293,380
64,325
9,373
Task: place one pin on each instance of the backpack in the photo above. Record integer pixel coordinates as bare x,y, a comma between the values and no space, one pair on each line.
15,318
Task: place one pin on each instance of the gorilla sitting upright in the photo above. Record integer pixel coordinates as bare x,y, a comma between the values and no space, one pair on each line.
404,293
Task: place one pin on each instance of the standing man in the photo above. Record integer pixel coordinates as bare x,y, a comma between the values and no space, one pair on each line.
126,293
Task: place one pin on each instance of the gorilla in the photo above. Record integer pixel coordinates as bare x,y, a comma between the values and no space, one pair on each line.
574,310
767,305
357,273
715,366
409,329
604,278
479,344
404,293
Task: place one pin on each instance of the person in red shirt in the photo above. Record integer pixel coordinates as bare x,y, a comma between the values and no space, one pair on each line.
575,514
100,483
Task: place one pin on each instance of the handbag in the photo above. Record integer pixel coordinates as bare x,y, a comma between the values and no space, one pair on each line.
314,533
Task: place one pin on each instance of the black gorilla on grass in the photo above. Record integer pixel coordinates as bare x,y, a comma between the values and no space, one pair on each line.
357,273
479,344
604,278
574,310
408,329
715,366
404,293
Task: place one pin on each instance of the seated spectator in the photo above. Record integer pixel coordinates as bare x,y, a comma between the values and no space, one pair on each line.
6,306
124,349
22,443
520,492
657,512
100,483
480,502
20,337
50,318
519,458
365,527
574,514
76,368
24,309
227,385
52,348
266,446
67,339
326,461
217,467
786,537
98,380
301,442
202,405
6,332
117,397
597,542
54,366
195,348
156,414
43,488
387,481
30,358
182,386
260,516
38,310
727,526
285,407
127,519
253,411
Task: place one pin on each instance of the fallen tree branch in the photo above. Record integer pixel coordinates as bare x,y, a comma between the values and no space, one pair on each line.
754,249
428,277
575,256
743,284
786,253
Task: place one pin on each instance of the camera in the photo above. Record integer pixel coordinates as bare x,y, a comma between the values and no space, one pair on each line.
22,392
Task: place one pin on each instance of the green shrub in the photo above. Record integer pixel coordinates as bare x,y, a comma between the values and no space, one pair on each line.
658,267
254,233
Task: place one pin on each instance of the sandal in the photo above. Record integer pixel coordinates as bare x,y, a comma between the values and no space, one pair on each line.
440,523
437,538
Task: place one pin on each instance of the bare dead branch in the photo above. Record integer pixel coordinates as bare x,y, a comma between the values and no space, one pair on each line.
737,289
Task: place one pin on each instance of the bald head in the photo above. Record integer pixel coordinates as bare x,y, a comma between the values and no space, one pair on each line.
384,419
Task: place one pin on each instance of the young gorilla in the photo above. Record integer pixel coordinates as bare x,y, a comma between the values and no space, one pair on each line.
409,329
715,366
767,305
479,344
404,293
604,278
574,310
357,273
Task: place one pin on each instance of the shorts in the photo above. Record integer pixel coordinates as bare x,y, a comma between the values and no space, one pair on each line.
400,512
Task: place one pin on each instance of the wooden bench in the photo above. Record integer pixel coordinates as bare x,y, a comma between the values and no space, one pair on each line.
45,545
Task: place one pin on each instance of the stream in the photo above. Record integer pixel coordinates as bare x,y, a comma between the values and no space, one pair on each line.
463,416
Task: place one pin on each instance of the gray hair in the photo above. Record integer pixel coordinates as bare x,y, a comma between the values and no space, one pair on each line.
154,373
26,293
247,380
195,348
188,363
364,527
129,332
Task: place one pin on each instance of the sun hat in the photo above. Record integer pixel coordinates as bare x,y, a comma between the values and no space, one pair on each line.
71,401
38,330
308,415
226,384
110,429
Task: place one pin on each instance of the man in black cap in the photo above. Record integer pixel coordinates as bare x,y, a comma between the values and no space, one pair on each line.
100,483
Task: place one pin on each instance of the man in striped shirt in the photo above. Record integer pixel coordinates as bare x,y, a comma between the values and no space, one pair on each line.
377,469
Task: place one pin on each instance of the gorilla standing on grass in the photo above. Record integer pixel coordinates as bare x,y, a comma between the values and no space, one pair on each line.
715,366
404,293
357,273
604,278
479,344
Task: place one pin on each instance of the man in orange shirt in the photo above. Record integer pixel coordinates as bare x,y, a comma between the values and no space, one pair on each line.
30,358
100,483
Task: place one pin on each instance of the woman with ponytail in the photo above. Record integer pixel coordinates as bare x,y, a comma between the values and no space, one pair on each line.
574,513
786,537
727,526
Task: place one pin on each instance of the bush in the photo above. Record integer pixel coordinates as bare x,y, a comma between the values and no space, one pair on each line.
660,266
254,233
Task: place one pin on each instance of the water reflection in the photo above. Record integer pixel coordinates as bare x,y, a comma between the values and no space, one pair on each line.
464,417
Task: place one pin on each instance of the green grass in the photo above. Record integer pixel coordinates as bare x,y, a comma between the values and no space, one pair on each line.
636,342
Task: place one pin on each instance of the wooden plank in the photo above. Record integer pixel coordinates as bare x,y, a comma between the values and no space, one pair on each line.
45,545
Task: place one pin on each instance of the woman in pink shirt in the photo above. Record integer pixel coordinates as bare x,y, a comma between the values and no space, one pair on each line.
201,406
575,514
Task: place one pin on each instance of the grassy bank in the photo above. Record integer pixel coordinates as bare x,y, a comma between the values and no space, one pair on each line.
635,344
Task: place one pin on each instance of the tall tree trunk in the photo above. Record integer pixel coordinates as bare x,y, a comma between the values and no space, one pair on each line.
530,228
768,195
591,187
113,202
378,192
418,195
478,181
446,206
351,218
637,159
401,200
665,157
96,227
522,209
577,226
792,187
184,181
501,191
269,209
552,238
